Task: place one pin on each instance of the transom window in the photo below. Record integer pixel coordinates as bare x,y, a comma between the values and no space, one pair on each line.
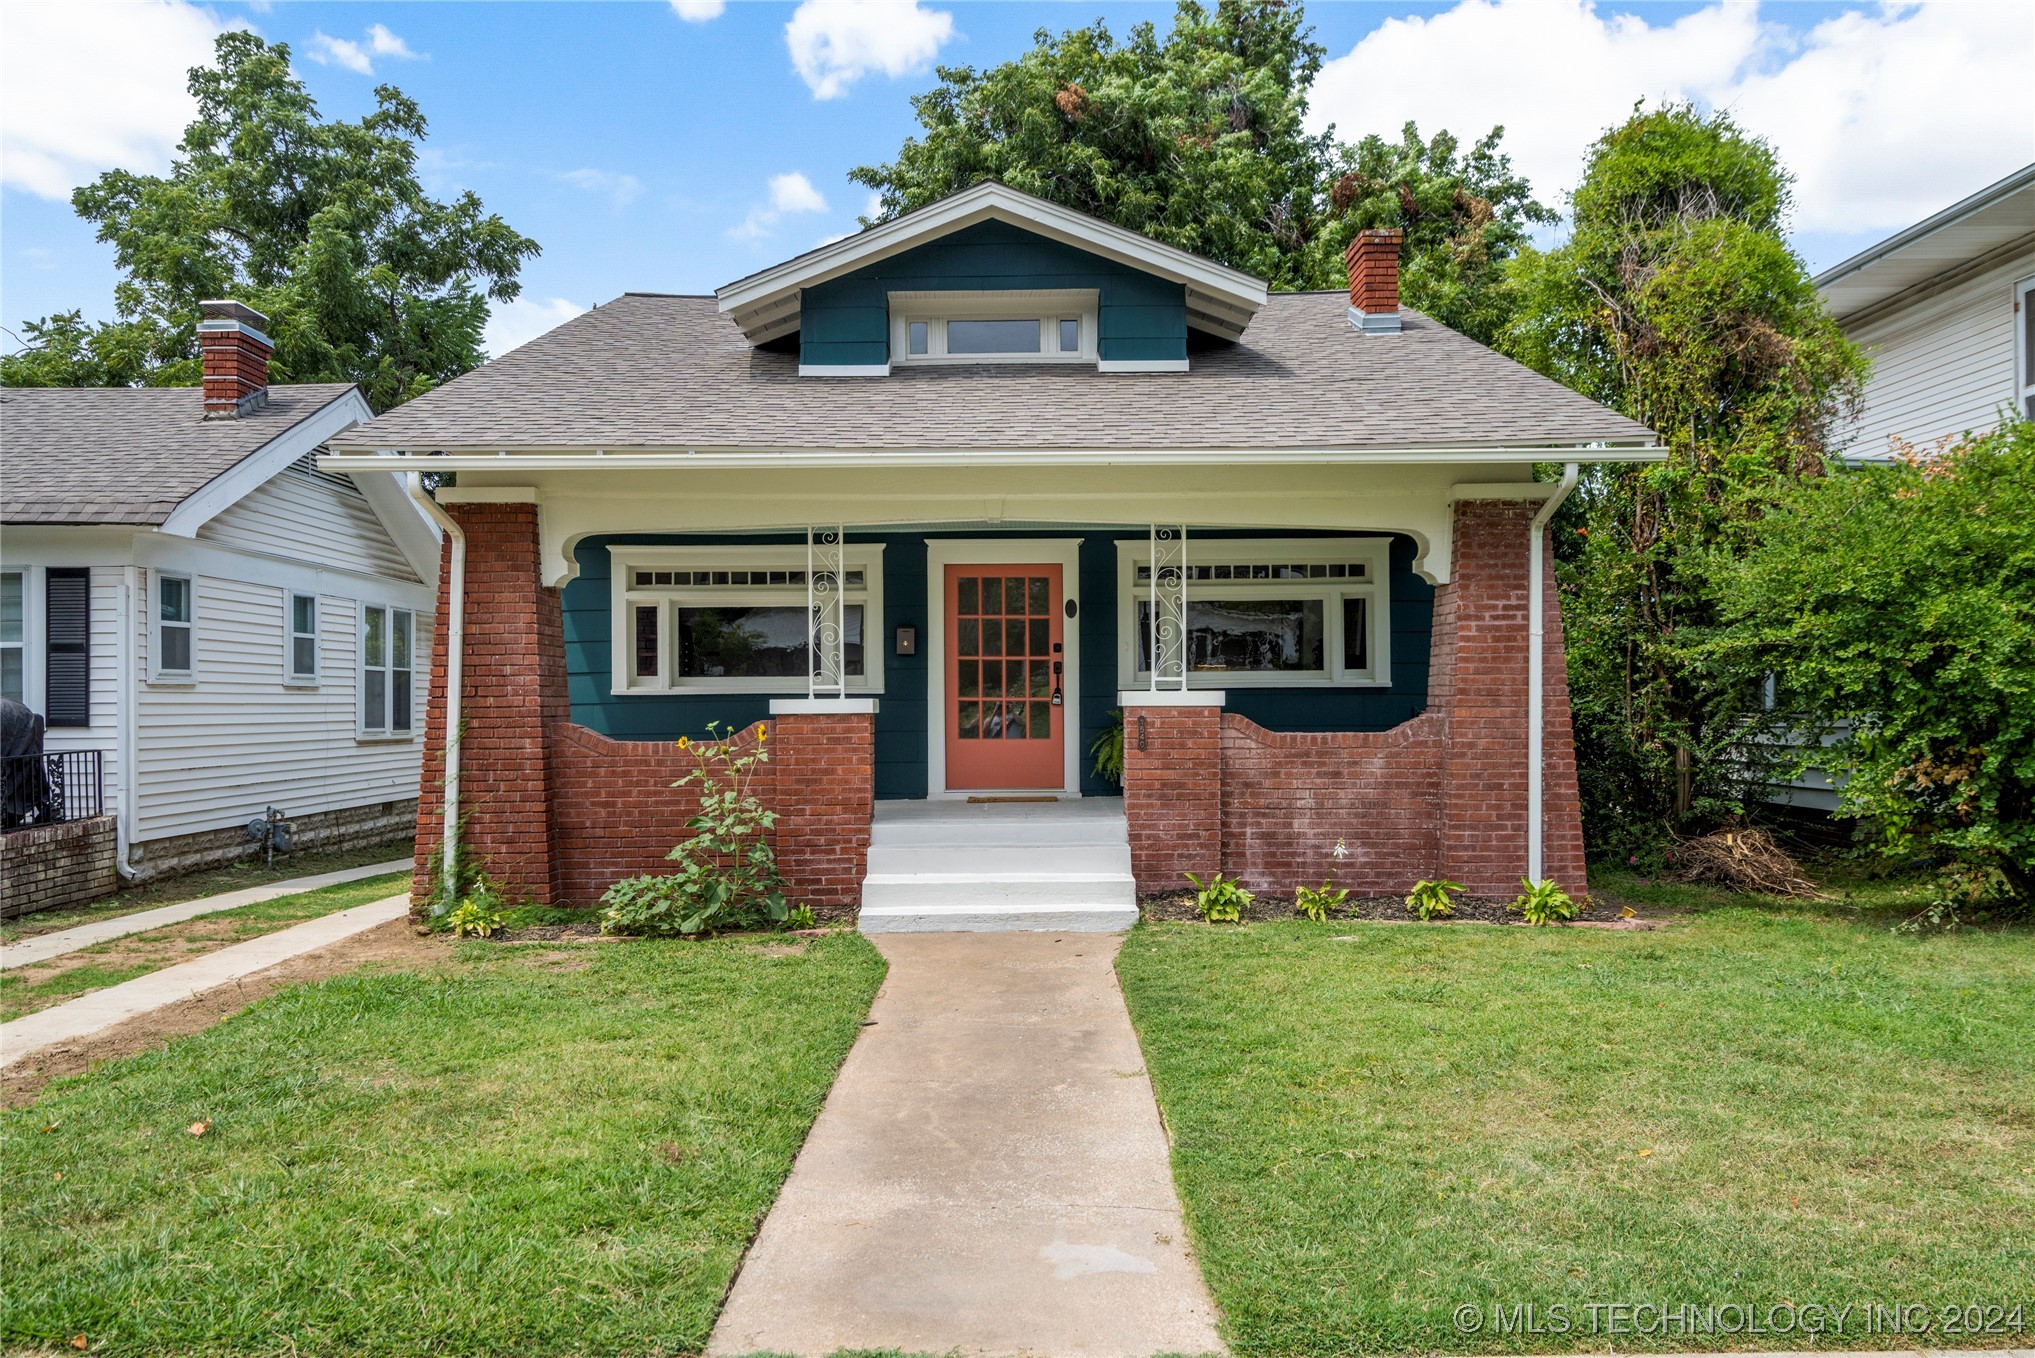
1016,326
736,619
1274,613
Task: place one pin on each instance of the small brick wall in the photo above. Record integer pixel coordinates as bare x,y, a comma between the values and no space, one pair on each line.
1443,795
47,866
555,813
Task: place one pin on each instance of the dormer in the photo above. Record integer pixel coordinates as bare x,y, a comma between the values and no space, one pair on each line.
991,275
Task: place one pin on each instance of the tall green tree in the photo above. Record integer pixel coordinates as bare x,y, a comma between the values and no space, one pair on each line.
1895,605
1676,300
1198,139
321,225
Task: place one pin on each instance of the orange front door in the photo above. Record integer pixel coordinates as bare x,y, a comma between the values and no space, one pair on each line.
1004,676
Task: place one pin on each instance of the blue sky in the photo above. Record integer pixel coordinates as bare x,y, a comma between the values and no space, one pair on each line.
673,147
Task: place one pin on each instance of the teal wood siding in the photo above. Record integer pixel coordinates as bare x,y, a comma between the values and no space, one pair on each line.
846,320
901,718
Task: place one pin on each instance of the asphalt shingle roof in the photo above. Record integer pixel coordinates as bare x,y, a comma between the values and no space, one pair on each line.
647,371
128,454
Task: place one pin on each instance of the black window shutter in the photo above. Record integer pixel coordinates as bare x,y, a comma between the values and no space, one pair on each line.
67,625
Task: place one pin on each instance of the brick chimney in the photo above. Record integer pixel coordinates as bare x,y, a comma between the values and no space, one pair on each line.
1373,258
236,354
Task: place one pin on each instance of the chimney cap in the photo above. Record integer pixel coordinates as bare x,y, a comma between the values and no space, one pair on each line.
228,310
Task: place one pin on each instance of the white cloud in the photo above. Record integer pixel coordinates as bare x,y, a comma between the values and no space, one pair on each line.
789,193
86,87
1884,113
513,324
698,11
834,43
358,57
623,188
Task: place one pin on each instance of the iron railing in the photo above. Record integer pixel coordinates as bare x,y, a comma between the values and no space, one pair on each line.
48,789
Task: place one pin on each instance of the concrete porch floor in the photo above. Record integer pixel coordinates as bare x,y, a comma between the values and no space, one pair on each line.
989,1174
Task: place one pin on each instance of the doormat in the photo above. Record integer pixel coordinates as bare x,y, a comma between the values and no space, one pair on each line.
1013,799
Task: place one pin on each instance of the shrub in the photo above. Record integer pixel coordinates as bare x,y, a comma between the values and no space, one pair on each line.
1317,903
1220,901
1543,902
1107,750
474,919
1433,900
727,876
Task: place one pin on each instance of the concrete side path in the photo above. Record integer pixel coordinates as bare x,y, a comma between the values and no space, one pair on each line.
989,1174
45,946
89,1014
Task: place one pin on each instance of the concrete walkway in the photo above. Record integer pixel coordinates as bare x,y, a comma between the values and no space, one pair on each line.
42,947
100,1010
989,1174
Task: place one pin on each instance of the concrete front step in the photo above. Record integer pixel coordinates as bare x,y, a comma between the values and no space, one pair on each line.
1070,917
977,867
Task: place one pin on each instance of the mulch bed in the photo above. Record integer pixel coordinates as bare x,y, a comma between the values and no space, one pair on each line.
1178,906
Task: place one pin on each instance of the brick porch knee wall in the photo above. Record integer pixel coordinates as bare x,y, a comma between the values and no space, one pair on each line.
555,813
1442,795
1172,792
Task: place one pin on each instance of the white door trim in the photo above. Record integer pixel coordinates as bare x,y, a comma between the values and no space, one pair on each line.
944,552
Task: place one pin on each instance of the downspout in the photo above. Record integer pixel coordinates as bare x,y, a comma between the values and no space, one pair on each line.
1536,627
455,655
123,731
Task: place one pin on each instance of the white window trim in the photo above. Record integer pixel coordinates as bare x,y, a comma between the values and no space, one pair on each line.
2024,361
1048,305
24,574
290,635
1376,586
157,673
624,561
362,731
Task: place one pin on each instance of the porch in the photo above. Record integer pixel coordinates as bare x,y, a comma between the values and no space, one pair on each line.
1372,692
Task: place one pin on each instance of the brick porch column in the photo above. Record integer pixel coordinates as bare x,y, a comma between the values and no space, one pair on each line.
1482,623
1172,784
515,691
823,761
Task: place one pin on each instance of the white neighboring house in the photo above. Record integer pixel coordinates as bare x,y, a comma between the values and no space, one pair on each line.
1943,311
182,590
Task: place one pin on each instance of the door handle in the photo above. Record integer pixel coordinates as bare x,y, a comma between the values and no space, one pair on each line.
1058,701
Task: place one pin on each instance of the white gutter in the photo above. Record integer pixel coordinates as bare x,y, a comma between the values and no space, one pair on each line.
455,657
1536,626
123,732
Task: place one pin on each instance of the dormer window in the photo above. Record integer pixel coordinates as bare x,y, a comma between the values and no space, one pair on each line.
1015,326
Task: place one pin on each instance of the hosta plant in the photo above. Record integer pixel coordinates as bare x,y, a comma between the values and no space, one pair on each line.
1433,900
474,919
1543,902
1318,903
1219,900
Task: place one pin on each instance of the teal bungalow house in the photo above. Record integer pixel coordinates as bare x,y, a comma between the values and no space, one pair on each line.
944,501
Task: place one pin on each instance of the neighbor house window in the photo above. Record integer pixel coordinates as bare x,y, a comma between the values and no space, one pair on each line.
2024,345
721,619
1266,613
303,640
1015,326
13,658
175,615
385,675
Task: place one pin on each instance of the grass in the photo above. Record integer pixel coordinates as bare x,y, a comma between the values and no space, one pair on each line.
1374,1124
39,985
1857,893
531,1150
211,882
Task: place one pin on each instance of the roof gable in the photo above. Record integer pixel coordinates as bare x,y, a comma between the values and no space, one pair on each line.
1219,300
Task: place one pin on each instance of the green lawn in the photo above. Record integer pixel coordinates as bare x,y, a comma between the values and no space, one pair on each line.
210,882
39,985
526,1150
1375,1124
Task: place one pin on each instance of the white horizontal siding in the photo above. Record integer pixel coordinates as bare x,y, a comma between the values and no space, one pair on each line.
215,752
103,733
1942,364
305,516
